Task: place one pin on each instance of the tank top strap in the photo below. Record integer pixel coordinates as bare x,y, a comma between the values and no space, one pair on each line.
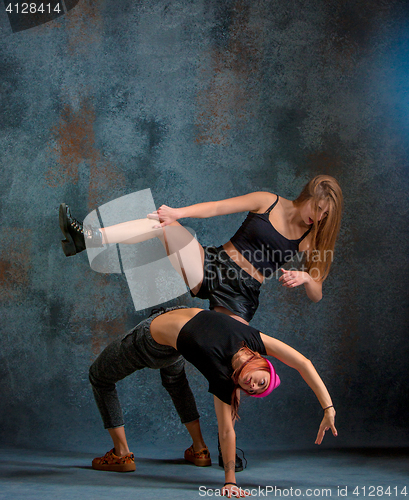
305,234
271,207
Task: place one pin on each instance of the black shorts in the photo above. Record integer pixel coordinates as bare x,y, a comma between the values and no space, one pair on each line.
226,284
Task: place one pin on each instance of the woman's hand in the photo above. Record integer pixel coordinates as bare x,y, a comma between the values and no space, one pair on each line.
165,215
291,279
313,288
233,490
328,422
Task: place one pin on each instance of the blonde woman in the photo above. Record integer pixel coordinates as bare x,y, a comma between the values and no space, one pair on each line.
230,276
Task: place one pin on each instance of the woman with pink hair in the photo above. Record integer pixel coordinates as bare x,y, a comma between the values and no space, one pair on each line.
228,353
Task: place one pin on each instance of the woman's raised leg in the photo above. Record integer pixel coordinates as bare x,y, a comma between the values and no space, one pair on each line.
184,251
131,232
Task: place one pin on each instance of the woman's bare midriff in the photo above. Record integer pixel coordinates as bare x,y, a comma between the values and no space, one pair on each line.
223,310
238,258
166,327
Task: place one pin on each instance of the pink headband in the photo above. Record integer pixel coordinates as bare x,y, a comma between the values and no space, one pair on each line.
274,382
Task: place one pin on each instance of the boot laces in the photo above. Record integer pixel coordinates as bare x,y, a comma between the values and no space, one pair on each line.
74,223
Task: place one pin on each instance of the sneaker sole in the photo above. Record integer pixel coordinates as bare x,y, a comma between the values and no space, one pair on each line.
114,467
199,462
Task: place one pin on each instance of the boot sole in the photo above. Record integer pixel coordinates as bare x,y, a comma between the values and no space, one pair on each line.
114,467
68,245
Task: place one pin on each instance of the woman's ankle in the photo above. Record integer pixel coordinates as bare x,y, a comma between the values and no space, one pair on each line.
199,445
121,451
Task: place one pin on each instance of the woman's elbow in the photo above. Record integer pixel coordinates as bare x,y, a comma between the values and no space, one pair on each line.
314,296
315,293
314,290
303,365
306,366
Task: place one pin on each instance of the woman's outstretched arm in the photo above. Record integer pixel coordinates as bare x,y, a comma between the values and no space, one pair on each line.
252,202
296,360
227,437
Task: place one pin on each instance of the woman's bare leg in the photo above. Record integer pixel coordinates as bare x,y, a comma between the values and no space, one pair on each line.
131,232
184,251
119,439
196,435
121,446
180,244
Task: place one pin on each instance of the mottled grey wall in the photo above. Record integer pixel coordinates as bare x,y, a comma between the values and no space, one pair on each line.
201,100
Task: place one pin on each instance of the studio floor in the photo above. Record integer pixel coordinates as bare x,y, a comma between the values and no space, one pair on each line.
317,473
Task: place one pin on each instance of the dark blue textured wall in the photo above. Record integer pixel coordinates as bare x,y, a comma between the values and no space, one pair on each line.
202,100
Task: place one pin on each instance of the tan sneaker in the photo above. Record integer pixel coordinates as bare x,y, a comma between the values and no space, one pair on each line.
200,458
110,462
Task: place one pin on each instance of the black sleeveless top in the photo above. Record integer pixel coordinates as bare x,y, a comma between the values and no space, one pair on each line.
262,245
209,341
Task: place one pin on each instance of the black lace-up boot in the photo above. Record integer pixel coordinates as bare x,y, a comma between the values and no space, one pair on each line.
75,233
239,462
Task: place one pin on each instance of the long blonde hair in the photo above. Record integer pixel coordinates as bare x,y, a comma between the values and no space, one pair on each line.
324,232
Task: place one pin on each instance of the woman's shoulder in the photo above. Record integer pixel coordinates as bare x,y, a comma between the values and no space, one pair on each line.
270,200
265,200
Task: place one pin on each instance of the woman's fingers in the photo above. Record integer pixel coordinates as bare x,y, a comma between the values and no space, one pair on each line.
285,278
157,216
289,281
234,491
320,436
288,278
325,427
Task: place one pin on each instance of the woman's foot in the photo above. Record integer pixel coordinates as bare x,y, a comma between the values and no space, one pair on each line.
200,458
113,463
75,233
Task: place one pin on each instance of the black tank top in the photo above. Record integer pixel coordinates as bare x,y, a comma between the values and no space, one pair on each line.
262,245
